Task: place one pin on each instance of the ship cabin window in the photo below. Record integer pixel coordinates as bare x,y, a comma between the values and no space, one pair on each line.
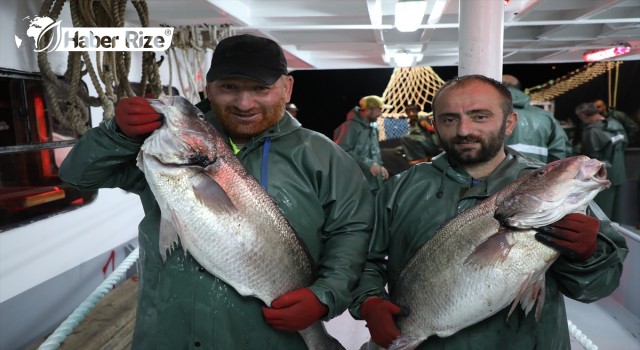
33,144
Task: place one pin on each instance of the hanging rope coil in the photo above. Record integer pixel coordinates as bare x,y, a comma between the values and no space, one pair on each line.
111,80
188,51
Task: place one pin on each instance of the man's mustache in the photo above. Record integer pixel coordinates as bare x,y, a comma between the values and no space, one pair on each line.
470,138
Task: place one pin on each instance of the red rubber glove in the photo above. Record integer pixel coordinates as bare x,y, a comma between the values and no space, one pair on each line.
295,310
575,236
136,118
379,316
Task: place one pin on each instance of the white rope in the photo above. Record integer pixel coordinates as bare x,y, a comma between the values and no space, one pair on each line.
625,232
580,337
61,333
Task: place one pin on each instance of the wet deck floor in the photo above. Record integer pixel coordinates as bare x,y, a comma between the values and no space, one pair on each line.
108,326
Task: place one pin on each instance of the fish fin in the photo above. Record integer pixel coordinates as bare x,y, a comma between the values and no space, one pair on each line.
405,342
519,295
542,293
169,237
494,249
528,293
209,193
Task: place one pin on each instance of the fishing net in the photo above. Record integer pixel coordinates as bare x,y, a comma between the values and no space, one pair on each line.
413,85
557,87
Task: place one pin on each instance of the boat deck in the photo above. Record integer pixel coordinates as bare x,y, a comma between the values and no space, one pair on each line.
110,324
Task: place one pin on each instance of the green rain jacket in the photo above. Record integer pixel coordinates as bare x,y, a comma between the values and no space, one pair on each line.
413,204
180,305
630,126
538,134
359,138
605,140
420,143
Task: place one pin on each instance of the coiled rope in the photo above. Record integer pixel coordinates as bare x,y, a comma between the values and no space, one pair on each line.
113,67
60,334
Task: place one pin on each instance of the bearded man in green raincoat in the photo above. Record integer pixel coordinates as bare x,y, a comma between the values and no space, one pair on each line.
472,116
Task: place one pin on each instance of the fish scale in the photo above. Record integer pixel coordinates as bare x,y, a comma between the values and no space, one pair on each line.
220,214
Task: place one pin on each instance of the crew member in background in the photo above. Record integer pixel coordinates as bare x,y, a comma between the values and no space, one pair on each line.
421,143
538,134
358,136
604,139
292,109
631,127
472,115
181,305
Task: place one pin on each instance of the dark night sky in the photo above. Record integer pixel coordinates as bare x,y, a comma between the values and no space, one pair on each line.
325,96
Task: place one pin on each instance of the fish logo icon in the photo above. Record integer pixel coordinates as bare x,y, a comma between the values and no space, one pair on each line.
38,28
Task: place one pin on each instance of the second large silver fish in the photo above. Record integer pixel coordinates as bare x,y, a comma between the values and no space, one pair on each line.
474,267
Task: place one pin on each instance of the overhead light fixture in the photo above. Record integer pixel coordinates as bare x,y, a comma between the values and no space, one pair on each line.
602,54
405,58
409,14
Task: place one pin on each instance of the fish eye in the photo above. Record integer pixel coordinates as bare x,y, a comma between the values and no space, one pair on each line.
541,173
200,160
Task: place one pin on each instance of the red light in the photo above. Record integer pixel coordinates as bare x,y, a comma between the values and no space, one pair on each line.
43,135
598,55
38,106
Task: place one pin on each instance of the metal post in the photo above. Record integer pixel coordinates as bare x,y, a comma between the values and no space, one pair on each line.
480,37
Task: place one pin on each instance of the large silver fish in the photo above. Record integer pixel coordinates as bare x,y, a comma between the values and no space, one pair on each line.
474,267
220,214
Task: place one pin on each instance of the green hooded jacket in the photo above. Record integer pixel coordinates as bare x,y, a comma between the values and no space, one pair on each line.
359,139
420,143
180,305
411,207
538,134
606,140
631,127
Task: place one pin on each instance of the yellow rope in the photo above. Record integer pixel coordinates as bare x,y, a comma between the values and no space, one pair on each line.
615,87
609,88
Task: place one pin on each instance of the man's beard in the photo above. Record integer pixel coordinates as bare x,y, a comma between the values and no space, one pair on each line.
239,130
489,147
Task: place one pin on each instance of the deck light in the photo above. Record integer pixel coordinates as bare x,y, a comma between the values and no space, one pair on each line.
409,14
602,54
